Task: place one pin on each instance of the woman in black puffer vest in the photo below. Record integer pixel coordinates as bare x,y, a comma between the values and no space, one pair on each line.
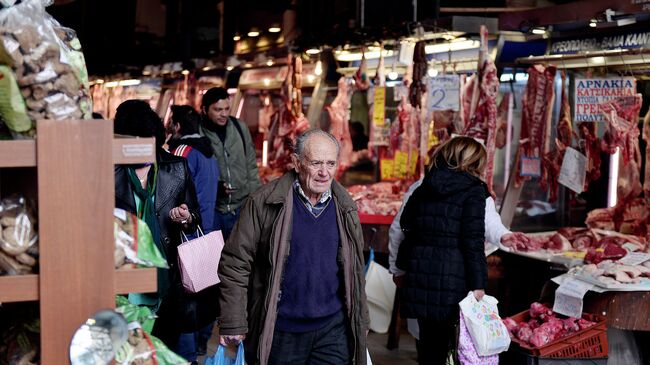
442,254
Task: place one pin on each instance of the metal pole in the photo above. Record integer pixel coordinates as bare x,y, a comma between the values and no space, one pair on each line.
363,13
415,10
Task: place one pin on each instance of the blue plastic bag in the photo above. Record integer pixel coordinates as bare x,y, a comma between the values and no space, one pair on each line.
220,358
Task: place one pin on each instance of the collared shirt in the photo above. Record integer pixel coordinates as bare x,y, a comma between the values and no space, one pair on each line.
317,209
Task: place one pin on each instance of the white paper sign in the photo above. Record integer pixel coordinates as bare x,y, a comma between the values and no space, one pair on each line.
591,92
443,93
568,297
573,171
634,258
406,50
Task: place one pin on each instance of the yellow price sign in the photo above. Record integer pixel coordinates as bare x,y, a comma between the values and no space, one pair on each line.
379,108
401,164
413,162
386,169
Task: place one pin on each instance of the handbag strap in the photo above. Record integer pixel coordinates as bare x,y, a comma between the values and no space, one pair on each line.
184,236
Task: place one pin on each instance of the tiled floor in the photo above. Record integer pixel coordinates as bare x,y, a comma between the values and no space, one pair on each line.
379,354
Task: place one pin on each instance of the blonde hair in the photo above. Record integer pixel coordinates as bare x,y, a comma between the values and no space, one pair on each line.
461,154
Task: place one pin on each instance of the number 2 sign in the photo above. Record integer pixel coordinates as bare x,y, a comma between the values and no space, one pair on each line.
443,93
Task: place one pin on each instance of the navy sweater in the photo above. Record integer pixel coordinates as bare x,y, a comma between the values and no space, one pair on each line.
310,287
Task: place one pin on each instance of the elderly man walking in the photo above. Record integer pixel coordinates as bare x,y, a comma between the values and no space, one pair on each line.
292,272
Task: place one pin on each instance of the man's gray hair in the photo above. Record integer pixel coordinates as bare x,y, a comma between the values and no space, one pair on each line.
301,141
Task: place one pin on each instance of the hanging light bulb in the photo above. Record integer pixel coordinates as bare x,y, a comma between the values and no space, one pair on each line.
318,70
313,51
432,72
236,37
393,75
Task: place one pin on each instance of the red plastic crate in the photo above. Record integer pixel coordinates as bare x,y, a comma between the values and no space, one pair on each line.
588,343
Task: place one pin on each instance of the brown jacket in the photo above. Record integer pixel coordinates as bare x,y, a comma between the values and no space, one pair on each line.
253,260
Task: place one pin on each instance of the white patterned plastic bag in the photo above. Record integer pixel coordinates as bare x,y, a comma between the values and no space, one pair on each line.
488,332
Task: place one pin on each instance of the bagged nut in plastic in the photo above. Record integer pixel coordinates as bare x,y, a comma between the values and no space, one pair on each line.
134,243
18,241
47,62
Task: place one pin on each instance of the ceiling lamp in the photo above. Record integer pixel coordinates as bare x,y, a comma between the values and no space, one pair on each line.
275,28
593,23
432,72
269,63
539,31
318,70
254,32
393,75
236,37
313,51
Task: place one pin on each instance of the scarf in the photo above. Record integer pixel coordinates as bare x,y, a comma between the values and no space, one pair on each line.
147,212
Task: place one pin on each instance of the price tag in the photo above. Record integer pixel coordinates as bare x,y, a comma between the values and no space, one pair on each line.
573,171
568,297
401,164
634,258
137,150
386,168
531,166
443,93
379,107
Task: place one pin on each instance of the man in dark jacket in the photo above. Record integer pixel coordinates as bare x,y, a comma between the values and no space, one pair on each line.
235,152
162,194
292,274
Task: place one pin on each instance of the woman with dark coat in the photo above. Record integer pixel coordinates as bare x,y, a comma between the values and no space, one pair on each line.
442,254
162,194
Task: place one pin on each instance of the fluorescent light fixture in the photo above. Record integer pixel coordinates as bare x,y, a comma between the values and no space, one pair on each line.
232,90
267,82
130,82
275,29
593,23
318,70
598,60
612,183
254,32
269,63
520,76
229,68
348,57
111,84
432,72
311,78
453,46
99,81
539,31
506,77
312,51
206,68
185,72
248,65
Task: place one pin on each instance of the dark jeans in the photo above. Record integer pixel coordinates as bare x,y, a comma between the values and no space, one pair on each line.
436,339
225,222
191,345
328,345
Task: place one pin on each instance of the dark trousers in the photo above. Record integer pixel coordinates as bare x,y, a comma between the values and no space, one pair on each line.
328,345
225,222
436,339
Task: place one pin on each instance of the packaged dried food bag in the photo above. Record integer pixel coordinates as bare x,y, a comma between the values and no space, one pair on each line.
134,242
142,348
133,313
12,105
19,334
18,238
46,61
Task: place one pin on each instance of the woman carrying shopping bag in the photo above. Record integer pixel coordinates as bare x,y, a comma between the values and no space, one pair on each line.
443,251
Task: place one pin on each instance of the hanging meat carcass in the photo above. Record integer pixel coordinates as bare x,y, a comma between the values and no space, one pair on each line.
361,81
552,161
418,85
537,106
480,107
339,113
622,131
587,133
289,120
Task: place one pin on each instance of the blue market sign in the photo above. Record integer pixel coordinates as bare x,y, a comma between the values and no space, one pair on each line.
625,41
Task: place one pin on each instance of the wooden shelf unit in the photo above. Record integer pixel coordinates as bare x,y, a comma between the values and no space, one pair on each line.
74,161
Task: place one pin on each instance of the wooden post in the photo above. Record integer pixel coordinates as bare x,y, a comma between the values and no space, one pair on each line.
76,197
